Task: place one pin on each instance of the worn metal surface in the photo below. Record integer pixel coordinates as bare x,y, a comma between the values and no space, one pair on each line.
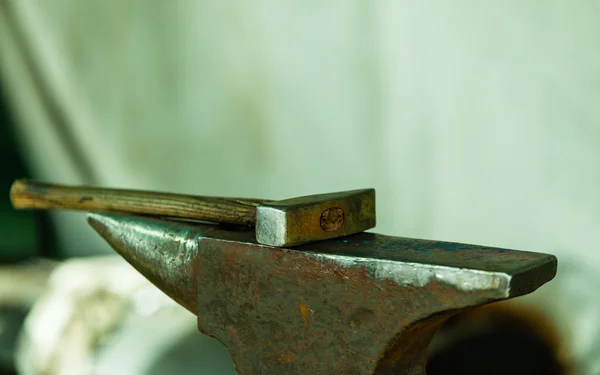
363,304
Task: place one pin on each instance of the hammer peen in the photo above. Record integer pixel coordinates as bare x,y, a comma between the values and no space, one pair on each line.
287,222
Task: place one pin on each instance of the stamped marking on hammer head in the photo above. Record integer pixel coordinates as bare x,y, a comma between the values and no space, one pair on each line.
315,217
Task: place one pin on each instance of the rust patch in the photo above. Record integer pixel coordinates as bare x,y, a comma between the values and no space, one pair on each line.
234,335
305,312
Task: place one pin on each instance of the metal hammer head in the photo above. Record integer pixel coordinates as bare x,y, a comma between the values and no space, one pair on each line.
315,217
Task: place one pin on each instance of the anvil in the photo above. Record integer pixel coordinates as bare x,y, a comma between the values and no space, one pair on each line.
362,304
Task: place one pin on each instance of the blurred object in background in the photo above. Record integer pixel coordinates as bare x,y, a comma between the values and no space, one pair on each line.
20,287
100,316
497,339
24,237
475,123
22,234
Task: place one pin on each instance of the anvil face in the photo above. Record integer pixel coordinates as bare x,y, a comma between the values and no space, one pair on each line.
362,304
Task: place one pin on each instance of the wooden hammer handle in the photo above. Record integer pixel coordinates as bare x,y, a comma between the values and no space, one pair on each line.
39,195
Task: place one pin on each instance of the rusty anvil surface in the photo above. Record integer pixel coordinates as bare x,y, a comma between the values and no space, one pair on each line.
362,304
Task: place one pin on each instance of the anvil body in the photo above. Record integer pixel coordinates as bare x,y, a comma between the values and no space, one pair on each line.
362,304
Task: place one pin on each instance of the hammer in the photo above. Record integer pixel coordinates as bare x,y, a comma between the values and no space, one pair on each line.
362,304
278,223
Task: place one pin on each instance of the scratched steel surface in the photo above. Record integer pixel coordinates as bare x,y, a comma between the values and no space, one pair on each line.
364,304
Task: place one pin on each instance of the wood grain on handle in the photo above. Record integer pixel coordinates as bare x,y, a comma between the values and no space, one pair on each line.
39,195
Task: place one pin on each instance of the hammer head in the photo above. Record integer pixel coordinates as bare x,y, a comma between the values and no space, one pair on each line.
315,217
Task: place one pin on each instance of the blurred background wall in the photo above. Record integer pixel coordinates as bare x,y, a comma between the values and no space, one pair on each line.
475,122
